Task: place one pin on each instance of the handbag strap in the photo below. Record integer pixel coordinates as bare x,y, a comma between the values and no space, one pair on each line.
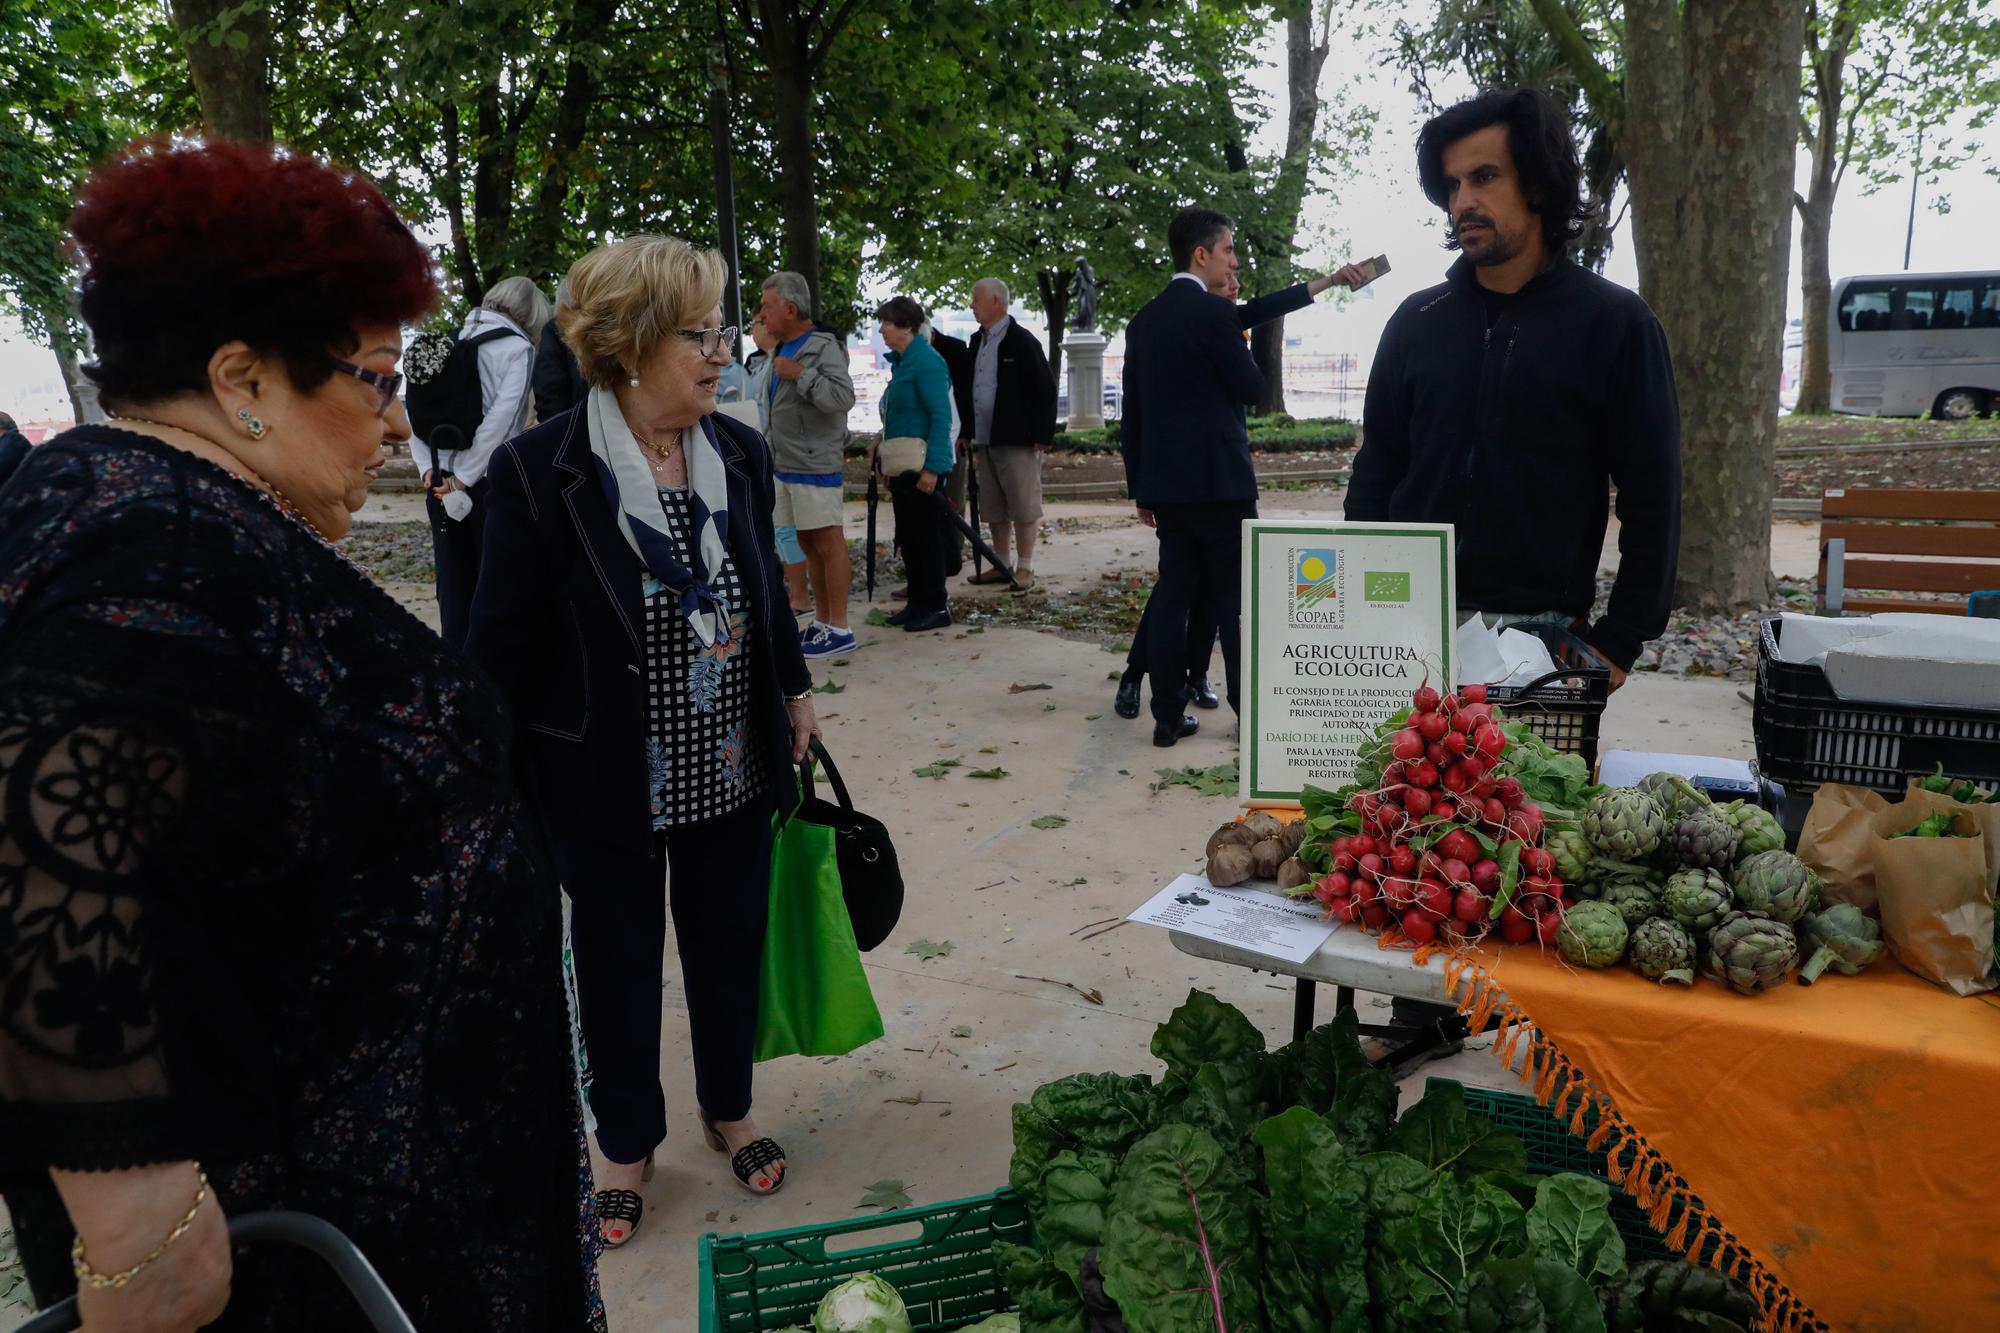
820,755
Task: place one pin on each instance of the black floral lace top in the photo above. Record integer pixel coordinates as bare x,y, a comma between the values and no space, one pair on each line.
262,902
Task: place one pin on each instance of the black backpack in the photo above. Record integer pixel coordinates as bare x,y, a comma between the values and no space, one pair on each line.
442,372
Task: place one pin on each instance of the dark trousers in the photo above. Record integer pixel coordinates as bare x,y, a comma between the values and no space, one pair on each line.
1200,641
718,876
455,552
1201,563
920,531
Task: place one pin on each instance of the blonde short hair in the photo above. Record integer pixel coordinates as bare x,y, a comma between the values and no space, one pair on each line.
630,296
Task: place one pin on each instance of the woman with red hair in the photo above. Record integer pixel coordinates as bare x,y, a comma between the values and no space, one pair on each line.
268,935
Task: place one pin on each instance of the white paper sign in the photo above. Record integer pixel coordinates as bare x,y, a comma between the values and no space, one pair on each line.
1254,919
1341,623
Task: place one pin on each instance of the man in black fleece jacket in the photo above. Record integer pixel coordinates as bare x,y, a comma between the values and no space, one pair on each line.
1510,398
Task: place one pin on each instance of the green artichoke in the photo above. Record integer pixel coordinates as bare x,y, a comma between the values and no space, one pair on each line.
1624,824
1697,899
1663,950
1635,899
1592,935
1705,840
1674,794
1843,936
1573,854
1778,885
1751,952
1758,829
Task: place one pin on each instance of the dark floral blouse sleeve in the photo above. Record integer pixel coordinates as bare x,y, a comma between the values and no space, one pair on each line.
140,739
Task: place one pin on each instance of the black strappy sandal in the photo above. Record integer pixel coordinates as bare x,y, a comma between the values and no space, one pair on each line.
622,1206
757,1159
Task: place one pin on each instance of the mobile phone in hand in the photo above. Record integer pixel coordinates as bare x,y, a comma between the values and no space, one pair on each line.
1372,269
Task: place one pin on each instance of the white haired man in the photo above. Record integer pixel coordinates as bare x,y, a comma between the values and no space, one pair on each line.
811,395
1013,424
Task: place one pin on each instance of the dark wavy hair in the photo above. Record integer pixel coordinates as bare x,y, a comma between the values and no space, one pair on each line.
902,311
1544,155
186,246
1194,229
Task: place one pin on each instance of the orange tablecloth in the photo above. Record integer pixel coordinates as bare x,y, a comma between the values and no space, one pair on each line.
1847,1134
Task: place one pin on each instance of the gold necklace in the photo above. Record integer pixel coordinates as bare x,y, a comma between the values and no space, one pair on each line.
264,488
659,452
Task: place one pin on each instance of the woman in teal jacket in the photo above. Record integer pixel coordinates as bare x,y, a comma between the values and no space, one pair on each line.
917,407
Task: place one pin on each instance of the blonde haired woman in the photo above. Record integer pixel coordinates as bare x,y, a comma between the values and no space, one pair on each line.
632,611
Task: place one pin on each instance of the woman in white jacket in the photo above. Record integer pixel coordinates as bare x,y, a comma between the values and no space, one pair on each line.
513,306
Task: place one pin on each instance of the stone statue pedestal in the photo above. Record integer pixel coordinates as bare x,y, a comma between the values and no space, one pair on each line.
1083,362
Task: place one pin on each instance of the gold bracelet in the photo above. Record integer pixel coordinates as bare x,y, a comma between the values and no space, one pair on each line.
800,697
90,1277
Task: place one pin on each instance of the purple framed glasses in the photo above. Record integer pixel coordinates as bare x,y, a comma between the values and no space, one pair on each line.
388,386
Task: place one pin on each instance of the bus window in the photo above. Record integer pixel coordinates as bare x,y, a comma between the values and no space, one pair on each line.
1954,308
1987,314
1863,309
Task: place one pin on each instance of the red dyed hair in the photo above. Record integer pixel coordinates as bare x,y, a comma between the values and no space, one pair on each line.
186,246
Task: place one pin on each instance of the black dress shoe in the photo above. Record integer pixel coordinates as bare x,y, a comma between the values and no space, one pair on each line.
897,617
1126,705
1166,733
1201,694
927,620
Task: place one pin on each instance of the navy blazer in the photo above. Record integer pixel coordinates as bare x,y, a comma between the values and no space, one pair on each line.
1188,377
558,621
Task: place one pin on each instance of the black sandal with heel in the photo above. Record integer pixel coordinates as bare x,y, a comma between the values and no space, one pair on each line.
759,1159
623,1206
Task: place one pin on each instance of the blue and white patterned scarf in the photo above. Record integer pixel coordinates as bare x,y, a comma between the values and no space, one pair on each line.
628,485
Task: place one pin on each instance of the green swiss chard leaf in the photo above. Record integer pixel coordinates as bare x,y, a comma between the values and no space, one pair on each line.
1531,1295
1222,1098
1315,1232
1180,1252
1364,1109
1202,1030
1666,1293
1047,1297
1427,1263
1439,1132
1075,1193
1571,1224
1101,1113
1308,1072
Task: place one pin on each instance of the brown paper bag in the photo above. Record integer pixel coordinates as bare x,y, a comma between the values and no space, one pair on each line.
1936,894
1836,843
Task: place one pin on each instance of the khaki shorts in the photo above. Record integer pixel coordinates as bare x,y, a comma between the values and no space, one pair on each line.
806,507
1010,483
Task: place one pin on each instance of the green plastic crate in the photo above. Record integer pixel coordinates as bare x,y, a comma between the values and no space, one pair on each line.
1552,1149
945,1273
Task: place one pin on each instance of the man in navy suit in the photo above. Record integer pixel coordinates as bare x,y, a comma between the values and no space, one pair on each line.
1189,376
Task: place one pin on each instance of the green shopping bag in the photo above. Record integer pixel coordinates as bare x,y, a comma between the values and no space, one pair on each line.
813,998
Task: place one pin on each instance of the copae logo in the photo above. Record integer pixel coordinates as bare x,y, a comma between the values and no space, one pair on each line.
1314,597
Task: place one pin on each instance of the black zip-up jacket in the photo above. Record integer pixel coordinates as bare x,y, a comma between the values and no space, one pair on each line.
1516,433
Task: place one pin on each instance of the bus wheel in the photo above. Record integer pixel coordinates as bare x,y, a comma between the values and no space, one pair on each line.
1959,405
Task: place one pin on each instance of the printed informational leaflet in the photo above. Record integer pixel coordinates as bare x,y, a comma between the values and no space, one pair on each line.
1341,623
1254,919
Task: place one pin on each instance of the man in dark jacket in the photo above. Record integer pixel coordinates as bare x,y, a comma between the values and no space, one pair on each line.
1512,397
958,360
559,385
1188,378
1011,425
13,447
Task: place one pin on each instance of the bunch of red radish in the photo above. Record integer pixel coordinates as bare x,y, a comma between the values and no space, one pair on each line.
1425,858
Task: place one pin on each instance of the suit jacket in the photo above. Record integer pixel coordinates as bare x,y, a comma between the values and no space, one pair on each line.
1188,378
559,385
958,360
1024,396
1272,305
558,622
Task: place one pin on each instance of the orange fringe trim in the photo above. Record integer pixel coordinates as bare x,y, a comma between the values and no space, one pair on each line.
1631,1162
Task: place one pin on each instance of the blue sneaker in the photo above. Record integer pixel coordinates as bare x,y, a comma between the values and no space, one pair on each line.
826,641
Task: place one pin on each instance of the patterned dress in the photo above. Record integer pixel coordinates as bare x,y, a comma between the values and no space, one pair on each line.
702,760
263,904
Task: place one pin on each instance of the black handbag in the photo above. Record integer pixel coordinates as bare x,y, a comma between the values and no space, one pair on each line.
871,883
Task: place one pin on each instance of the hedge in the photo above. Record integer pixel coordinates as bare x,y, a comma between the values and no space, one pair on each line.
1277,433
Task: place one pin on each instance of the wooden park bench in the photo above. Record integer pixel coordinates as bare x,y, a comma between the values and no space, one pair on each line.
1895,541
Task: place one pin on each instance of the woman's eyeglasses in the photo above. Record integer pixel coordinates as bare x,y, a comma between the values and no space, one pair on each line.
710,341
387,385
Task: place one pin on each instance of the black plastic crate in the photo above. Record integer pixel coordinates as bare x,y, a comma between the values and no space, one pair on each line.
1553,1149
1807,735
1566,707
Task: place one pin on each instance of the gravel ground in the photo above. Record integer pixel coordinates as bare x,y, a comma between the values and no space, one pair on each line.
1972,468
1712,645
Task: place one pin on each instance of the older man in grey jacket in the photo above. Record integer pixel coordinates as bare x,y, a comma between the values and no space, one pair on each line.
811,395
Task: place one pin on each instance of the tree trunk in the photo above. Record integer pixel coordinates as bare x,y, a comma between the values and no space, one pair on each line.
1305,57
492,181
83,403
1742,58
231,66
579,93
452,190
785,52
1816,286
1053,284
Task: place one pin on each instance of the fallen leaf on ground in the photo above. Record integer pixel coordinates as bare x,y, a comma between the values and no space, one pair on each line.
831,687
987,773
1048,821
886,1194
1221,780
1092,717
877,616
1018,688
989,749
930,771
925,950
961,1032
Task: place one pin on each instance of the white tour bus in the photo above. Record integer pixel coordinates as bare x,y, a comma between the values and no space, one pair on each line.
1903,344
